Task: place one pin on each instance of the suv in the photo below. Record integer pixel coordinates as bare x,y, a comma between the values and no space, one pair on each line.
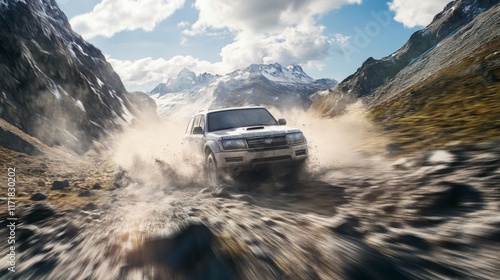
234,140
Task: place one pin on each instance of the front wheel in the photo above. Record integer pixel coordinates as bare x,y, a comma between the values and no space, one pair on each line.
212,171
295,174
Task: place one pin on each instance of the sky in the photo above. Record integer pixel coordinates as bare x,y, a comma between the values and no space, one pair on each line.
149,41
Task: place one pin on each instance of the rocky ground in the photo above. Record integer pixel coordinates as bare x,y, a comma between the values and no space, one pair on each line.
422,216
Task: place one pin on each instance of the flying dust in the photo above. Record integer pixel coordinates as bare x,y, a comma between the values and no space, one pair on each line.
166,182
154,156
153,153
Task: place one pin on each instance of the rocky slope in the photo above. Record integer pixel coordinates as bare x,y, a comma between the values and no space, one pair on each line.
262,84
457,104
54,85
460,30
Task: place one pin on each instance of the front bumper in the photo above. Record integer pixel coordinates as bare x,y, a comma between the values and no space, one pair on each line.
237,161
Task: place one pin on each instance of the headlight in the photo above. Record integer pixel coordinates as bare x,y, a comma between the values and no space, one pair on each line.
296,138
234,144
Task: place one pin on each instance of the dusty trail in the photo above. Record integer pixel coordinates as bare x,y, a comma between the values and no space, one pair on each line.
427,220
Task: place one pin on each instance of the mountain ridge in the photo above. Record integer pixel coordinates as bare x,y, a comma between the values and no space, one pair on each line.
368,80
186,80
56,86
262,84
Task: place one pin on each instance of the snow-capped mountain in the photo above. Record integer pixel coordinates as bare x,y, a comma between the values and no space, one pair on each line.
54,85
261,84
292,74
185,81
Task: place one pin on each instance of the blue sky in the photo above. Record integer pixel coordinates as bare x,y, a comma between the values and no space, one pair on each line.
148,41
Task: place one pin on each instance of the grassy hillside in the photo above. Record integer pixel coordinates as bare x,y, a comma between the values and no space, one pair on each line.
458,103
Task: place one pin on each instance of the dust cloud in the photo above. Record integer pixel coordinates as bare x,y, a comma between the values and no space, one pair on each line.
153,153
341,142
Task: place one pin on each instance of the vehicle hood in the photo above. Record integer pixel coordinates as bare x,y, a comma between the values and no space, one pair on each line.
252,131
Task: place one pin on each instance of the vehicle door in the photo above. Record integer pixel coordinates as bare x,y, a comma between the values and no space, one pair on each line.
194,137
198,135
186,140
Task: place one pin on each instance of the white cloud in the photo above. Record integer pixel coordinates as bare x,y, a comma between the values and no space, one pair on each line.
283,31
261,16
112,16
294,45
149,71
342,40
183,24
416,13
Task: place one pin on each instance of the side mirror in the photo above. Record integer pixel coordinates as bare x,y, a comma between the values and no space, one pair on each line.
198,130
282,122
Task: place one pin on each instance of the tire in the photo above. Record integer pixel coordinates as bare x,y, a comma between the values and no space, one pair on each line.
213,179
294,176
298,168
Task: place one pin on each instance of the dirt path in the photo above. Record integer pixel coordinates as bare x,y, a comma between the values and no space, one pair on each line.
423,217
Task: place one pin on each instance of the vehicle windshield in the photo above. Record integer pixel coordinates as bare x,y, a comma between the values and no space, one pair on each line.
239,118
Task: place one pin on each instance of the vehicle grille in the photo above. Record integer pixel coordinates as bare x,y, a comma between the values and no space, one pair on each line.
268,159
272,142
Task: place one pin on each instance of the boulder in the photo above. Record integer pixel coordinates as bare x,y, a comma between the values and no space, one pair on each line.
60,185
85,193
346,227
38,196
187,253
90,206
39,212
446,196
68,232
26,231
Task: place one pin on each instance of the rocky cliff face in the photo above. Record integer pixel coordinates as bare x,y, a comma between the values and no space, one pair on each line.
472,28
374,77
54,85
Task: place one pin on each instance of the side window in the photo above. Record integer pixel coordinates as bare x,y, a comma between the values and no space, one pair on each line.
196,122
202,123
190,126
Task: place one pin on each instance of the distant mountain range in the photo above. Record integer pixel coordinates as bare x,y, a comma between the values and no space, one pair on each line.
262,84
185,81
54,85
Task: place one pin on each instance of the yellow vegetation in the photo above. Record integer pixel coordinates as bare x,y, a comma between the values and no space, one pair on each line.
458,103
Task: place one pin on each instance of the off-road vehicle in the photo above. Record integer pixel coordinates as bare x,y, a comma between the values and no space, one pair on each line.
234,140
